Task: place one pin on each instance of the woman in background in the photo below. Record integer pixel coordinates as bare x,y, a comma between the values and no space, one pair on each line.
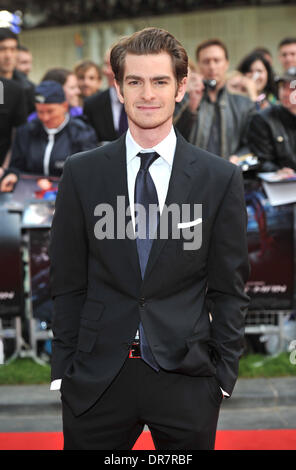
256,67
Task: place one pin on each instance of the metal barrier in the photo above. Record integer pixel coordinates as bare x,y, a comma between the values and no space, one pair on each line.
271,329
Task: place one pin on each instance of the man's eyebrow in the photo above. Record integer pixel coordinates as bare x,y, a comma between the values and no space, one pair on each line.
158,77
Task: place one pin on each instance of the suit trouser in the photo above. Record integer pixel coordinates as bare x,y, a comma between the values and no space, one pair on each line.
180,411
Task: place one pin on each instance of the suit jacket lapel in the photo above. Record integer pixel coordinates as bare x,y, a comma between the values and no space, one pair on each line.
179,187
116,185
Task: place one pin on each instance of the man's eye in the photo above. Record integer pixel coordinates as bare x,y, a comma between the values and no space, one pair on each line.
133,82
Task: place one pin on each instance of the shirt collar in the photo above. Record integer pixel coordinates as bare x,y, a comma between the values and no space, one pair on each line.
166,148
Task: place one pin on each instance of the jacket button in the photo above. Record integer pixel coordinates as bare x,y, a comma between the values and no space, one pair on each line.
142,302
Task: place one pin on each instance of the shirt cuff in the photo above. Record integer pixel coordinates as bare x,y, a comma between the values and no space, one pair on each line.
56,384
225,394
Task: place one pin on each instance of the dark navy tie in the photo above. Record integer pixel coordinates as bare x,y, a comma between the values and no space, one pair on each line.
146,194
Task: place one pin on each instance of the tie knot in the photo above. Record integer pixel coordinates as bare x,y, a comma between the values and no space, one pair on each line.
147,158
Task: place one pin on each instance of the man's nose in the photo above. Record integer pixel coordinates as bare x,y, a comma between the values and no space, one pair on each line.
212,66
148,91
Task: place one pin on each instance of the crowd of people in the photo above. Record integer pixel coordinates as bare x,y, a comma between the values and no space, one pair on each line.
247,111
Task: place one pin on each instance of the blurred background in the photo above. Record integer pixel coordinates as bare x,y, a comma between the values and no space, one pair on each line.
62,32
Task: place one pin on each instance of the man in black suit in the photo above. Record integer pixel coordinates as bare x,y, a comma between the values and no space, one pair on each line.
147,330
104,111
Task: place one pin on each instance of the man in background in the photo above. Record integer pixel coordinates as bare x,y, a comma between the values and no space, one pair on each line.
89,78
8,61
271,133
287,53
24,60
13,113
215,119
104,111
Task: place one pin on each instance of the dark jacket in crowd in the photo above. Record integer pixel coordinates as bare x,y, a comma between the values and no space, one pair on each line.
13,112
220,127
31,141
28,87
98,110
272,138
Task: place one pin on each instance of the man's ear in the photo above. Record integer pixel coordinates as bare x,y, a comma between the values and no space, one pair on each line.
65,105
119,92
181,90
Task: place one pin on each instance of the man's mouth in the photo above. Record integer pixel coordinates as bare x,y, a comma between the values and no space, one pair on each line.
148,107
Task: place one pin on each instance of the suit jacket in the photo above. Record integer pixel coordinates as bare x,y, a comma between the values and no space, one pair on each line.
100,297
98,110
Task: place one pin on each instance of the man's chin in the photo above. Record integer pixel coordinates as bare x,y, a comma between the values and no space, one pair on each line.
149,124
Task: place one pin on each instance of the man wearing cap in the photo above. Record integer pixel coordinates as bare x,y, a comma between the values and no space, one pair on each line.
42,145
271,133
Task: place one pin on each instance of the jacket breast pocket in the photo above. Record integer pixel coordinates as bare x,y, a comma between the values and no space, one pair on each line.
89,325
194,240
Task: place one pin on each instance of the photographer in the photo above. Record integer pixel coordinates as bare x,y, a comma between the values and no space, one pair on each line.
271,134
213,118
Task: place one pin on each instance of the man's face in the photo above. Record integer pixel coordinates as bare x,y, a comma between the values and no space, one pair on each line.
259,71
72,90
149,90
287,95
287,56
51,114
89,82
8,56
213,64
24,62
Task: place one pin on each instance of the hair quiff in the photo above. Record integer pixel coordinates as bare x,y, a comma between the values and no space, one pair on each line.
149,41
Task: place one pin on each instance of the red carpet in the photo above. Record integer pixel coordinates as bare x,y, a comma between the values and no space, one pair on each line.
284,439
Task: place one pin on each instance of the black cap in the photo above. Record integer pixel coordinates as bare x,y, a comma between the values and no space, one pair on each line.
49,91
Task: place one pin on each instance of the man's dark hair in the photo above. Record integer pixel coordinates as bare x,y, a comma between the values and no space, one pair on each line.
22,48
84,65
5,33
262,50
211,42
286,42
59,75
149,41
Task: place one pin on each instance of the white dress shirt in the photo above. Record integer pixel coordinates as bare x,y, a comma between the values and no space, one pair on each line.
51,139
160,170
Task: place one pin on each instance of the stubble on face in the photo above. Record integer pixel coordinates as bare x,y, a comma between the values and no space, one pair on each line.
149,92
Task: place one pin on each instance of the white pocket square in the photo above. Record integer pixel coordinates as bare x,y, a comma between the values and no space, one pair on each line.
189,224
